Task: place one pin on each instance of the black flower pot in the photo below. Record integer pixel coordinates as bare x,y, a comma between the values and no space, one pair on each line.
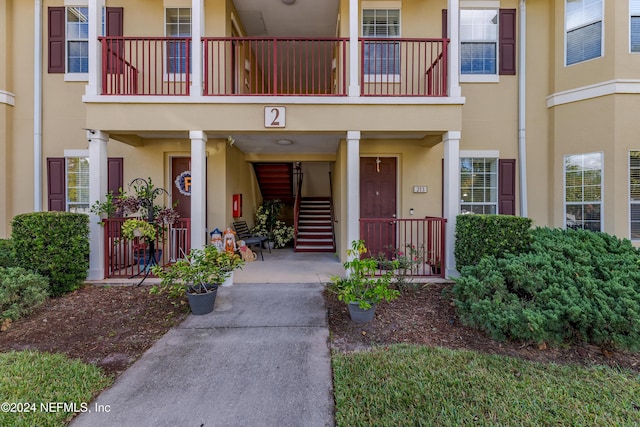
202,303
361,315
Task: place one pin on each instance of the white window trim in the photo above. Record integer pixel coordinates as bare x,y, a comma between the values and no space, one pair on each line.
388,5
481,78
176,77
481,154
630,16
602,188
602,35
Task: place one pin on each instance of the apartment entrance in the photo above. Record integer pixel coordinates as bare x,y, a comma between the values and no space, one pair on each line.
179,188
378,199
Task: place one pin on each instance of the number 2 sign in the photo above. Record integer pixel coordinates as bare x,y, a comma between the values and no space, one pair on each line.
274,117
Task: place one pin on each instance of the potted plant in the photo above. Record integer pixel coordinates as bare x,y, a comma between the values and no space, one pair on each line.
134,227
361,289
229,262
268,224
198,276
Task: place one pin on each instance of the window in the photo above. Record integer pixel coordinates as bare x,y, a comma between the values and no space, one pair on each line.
478,41
583,191
77,179
634,11
77,32
381,58
583,30
178,24
479,185
634,194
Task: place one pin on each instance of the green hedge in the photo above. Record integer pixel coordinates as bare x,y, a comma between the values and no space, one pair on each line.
574,285
7,256
55,245
483,235
20,292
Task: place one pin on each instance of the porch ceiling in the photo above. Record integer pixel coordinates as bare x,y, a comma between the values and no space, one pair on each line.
277,19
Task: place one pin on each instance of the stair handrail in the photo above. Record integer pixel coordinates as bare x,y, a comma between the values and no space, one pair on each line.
333,219
296,207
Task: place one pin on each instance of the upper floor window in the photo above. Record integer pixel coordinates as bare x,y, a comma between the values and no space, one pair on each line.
77,40
583,30
178,24
583,191
478,41
479,185
381,58
634,11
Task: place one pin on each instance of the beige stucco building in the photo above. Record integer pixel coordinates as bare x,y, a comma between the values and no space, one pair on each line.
392,109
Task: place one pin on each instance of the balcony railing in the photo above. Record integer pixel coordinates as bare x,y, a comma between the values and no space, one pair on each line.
242,66
418,244
403,67
131,258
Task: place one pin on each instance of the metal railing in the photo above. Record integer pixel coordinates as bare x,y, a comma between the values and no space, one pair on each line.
252,66
132,258
236,66
403,67
146,65
417,244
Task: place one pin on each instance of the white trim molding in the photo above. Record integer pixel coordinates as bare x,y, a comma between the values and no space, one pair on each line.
487,154
7,98
611,87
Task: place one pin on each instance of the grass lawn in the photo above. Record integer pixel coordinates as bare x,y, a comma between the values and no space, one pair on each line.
40,389
405,385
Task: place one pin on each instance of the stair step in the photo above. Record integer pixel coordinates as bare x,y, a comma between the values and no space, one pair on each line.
315,249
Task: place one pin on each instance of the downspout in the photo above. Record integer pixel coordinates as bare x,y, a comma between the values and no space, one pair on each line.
522,138
37,109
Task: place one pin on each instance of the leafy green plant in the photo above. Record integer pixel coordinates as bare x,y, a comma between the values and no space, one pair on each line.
21,291
267,223
483,235
361,285
573,286
133,227
55,245
199,269
7,255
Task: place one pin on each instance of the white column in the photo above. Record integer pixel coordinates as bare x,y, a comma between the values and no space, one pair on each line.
353,186
197,31
451,188
94,87
98,183
354,62
453,25
198,188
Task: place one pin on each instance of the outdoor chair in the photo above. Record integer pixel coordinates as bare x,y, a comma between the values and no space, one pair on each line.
243,233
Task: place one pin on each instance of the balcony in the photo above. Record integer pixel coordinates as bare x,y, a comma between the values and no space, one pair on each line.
250,66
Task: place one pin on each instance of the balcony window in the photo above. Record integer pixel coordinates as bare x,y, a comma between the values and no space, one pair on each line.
583,30
381,58
178,24
634,10
583,191
479,185
478,41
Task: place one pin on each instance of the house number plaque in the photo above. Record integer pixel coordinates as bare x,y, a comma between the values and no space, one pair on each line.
275,117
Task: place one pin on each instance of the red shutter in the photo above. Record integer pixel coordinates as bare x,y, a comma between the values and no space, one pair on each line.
56,39
114,21
507,42
445,24
56,192
507,186
115,174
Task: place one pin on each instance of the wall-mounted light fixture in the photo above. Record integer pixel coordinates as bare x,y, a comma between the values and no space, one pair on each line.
230,141
411,212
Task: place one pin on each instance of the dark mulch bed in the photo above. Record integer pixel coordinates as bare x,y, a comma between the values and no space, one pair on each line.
425,316
112,326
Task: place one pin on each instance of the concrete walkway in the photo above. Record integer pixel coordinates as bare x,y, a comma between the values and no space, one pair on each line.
260,359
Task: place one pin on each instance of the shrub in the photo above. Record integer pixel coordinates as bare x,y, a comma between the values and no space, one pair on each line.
574,285
482,235
55,245
7,256
20,292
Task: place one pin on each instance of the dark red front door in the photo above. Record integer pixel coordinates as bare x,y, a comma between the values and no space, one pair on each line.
378,200
178,166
